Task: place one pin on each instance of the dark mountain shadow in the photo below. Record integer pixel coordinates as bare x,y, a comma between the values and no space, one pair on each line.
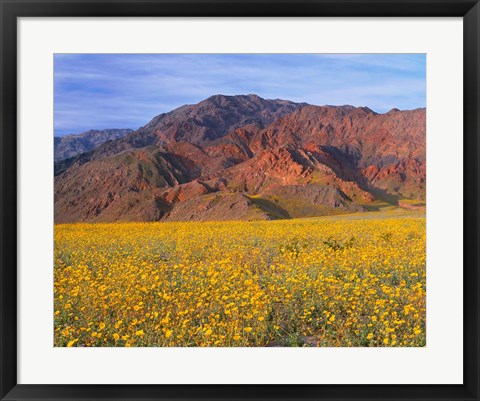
270,207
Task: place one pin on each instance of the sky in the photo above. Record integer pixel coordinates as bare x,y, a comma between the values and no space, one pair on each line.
99,91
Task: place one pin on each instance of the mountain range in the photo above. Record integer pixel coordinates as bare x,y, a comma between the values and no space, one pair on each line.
71,145
244,157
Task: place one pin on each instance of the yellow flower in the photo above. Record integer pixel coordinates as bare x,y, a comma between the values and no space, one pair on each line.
116,336
139,333
385,341
70,344
374,285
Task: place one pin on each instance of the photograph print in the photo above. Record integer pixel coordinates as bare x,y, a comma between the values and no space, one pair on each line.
239,200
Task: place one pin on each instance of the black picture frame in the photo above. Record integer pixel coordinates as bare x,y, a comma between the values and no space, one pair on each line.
10,10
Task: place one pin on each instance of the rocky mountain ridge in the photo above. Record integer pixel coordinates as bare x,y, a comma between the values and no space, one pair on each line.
244,157
74,144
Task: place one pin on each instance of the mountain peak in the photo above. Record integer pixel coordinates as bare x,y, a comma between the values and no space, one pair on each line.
394,110
74,144
221,96
226,100
213,118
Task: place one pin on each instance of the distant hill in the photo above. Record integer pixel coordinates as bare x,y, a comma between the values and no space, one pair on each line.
72,145
244,157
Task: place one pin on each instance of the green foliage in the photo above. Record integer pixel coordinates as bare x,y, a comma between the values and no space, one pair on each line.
337,245
387,237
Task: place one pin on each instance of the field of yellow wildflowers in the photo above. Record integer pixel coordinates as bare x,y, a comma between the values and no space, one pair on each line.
307,282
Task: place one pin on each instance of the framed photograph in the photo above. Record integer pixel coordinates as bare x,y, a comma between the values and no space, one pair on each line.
234,200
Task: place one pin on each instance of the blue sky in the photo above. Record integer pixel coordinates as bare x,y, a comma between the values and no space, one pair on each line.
98,91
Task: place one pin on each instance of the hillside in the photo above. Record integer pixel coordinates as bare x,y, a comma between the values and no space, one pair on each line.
244,157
